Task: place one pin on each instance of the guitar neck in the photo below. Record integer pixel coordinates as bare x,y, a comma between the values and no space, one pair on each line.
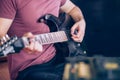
15,44
53,37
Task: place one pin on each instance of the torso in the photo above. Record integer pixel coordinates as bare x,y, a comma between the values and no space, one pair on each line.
26,21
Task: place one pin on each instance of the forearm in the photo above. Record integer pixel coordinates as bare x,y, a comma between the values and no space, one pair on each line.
76,14
72,10
4,26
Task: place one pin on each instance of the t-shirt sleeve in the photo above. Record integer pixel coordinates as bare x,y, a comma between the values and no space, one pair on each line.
7,9
63,2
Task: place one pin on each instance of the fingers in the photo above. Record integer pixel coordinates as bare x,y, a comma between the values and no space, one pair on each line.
37,47
33,46
29,35
80,27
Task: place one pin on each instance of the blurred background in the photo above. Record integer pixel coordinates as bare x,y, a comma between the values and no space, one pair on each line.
103,26
102,35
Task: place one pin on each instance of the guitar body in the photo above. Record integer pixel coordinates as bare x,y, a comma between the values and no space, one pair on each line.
63,23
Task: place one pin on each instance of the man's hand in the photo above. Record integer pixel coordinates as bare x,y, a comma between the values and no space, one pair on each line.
33,46
75,12
80,28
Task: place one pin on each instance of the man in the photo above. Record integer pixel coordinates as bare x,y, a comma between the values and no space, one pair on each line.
19,17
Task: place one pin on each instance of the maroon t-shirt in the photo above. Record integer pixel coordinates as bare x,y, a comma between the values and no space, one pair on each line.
25,14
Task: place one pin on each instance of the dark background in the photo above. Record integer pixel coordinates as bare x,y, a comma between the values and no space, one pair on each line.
102,26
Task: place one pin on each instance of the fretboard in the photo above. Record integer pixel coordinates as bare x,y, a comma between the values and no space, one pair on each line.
53,37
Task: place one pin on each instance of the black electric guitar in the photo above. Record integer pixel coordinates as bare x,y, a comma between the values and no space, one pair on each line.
60,34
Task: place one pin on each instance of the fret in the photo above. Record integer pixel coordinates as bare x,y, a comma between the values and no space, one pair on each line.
37,38
46,38
63,36
59,36
49,40
52,37
43,38
40,39
56,37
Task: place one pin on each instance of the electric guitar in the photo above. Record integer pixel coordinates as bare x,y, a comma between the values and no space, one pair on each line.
59,34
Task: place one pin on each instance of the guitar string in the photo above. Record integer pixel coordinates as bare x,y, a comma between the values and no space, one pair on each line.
51,37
